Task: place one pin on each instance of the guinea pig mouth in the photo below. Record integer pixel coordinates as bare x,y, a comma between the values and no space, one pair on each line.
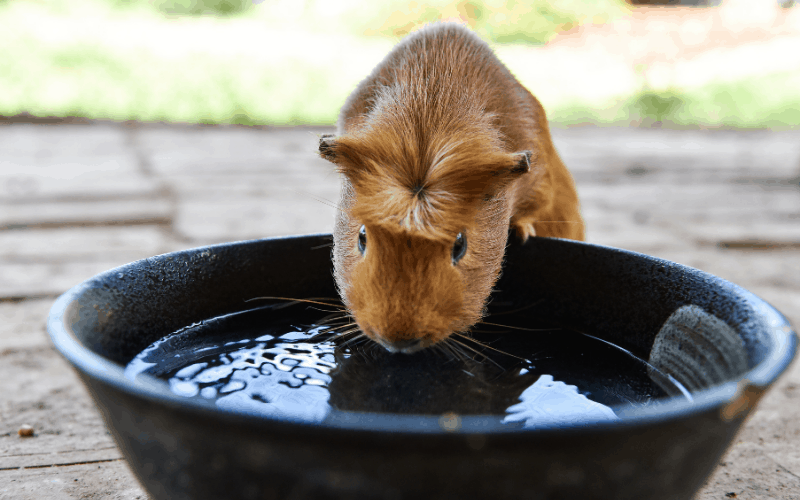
405,346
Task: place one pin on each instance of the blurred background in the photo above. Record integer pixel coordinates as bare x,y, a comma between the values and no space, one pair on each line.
731,63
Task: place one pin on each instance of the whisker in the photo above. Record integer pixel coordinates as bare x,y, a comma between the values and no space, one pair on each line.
331,332
487,346
342,326
334,318
335,322
369,350
357,335
346,332
326,245
325,333
346,340
468,361
447,350
456,351
325,310
519,327
332,299
308,301
518,309
359,342
319,199
476,352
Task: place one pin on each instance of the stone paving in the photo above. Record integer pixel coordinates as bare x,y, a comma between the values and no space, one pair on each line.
77,199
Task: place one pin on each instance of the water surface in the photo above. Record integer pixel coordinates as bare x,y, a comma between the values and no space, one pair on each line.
281,363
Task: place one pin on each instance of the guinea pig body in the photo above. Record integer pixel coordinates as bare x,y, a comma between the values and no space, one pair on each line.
441,151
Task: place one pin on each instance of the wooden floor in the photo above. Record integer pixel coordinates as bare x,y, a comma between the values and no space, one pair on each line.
77,199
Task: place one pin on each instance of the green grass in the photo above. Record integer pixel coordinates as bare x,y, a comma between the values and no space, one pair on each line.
501,21
769,101
218,61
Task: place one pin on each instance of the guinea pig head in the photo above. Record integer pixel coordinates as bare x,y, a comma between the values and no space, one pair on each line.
421,234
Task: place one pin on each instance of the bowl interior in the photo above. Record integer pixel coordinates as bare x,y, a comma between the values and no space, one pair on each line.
693,328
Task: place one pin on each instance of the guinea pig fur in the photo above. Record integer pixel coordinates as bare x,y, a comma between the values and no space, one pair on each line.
441,151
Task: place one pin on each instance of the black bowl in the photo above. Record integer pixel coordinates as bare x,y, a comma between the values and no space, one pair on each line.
727,350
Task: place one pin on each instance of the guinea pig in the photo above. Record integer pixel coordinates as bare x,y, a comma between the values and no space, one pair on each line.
442,151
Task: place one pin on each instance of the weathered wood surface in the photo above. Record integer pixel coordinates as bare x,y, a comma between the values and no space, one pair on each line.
78,199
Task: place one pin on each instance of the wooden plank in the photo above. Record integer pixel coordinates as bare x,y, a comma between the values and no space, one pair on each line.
21,458
249,217
22,280
674,173
593,149
99,480
52,142
83,213
50,398
76,177
72,455
180,150
727,233
689,196
296,182
48,262
45,185
625,232
679,200
81,244
22,324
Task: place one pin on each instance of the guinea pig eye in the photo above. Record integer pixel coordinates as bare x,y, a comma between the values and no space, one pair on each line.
459,247
362,239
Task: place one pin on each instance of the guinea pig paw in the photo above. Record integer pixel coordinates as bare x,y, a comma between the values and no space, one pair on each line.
525,230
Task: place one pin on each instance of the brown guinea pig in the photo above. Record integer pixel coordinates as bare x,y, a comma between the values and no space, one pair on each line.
442,150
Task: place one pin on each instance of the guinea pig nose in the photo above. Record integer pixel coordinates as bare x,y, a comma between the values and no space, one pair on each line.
403,344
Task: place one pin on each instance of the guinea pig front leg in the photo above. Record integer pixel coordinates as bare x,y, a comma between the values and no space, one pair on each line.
546,205
524,229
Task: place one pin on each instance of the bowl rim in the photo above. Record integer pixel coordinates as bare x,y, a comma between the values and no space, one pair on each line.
107,372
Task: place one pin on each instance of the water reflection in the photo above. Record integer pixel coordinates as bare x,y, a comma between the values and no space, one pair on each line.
281,377
549,402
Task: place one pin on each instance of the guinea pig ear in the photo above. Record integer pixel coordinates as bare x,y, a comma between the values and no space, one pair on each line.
522,163
510,168
327,147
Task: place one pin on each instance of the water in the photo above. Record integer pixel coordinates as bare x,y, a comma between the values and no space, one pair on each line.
265,361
